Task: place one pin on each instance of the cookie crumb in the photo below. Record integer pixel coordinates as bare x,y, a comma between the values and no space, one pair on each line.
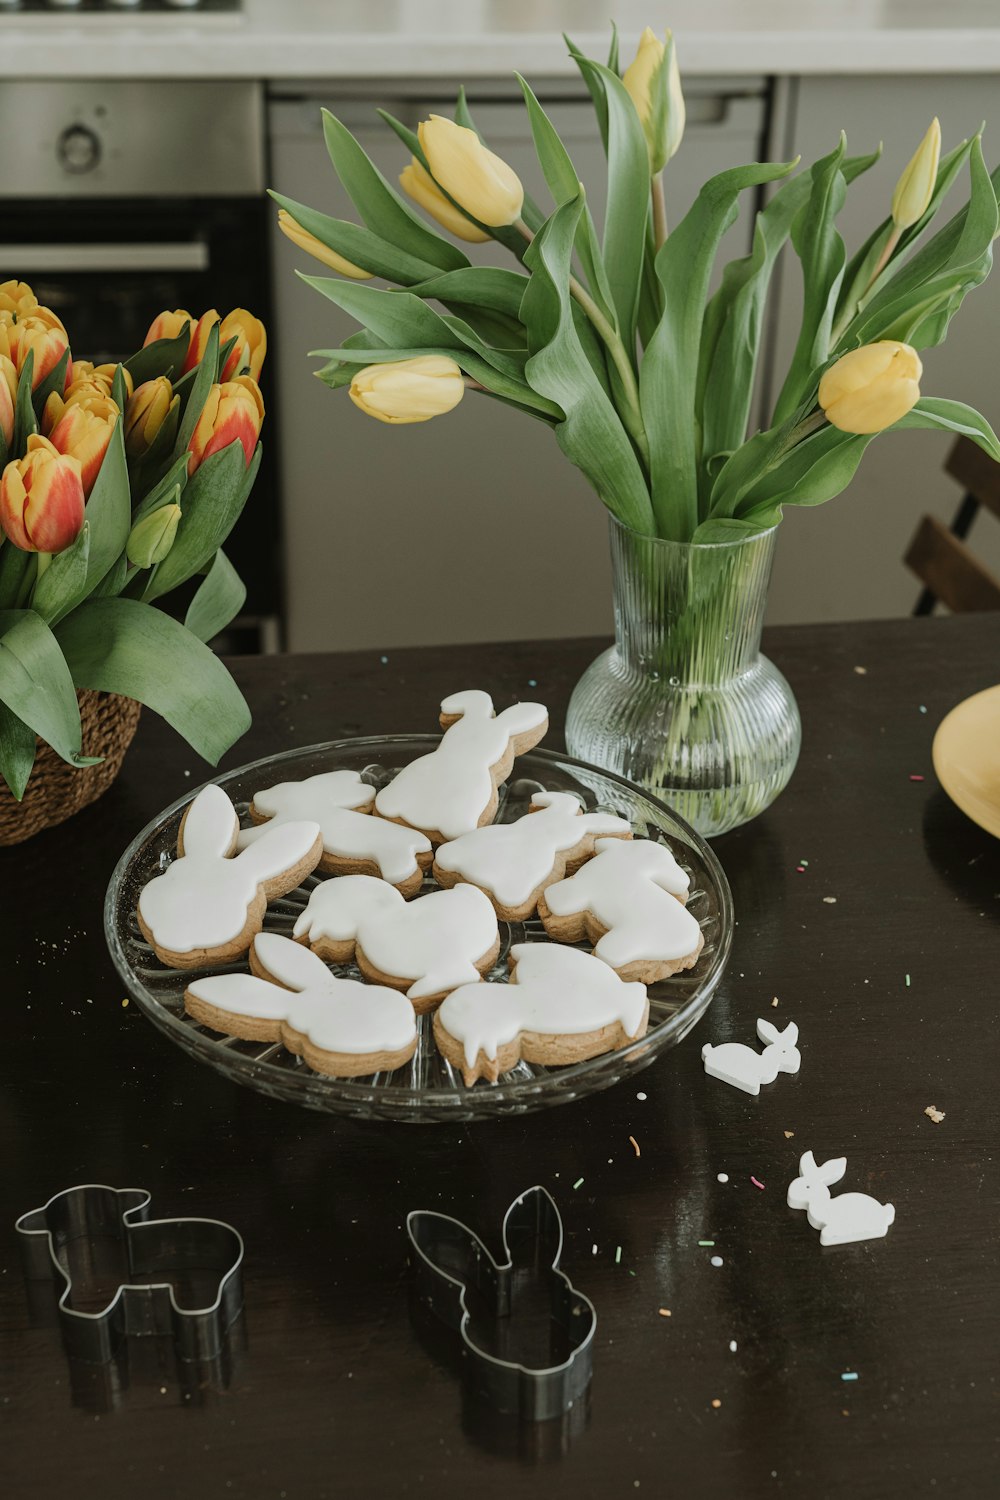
933,1113
716,1403
788,1134
830,900
635,1145
664,1312
774,1003
861,671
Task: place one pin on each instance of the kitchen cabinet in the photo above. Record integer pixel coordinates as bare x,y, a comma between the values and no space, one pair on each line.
474,526
845,560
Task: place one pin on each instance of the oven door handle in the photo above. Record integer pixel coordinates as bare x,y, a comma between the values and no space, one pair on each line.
188,255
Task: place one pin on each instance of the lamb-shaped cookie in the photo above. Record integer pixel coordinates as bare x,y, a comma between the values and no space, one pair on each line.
426,947
841,1220
629,902
354,842
207,906
340,1026
561,1006
454,788
514,862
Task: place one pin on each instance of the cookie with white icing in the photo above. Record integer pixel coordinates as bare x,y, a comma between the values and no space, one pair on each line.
629,901
426,947
354,842
514,862
453,790
339,1026
561,1006
208,905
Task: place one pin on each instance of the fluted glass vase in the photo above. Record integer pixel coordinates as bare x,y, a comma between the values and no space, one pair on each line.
683,703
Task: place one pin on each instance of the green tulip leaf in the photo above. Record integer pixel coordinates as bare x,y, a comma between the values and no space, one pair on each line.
814,471
109,511
167,490
727,529
359,245
17,573
55,380
162,357
952,416
17,751
219,598
25,425
119,390
213,499
123,646
385,212
668,378
592,435
113,581
36,684
64,582
595,86
196,394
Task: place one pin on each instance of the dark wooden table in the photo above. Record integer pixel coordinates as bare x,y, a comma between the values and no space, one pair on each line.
894,986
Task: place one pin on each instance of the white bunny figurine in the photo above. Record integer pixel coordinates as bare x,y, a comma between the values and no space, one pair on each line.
852,1216
746,1069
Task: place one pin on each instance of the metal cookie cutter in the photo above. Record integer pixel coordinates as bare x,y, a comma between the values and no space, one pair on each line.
505,1341
96,1239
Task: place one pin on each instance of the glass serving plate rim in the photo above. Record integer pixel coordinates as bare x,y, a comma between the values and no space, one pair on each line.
361,1093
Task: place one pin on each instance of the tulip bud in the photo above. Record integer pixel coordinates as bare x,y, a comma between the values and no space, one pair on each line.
251,343
167,325
146,413
199,339
870,388
409,390
481,183
151,539
87,375
8,396
234,412
915,187
653,82
41,499
42,334
418,182
292,229
84,431
17,298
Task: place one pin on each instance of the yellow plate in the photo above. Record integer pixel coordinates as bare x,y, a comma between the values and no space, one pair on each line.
967,758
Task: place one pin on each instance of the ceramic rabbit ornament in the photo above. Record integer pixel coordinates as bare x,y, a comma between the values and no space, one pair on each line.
841,1221
746,1069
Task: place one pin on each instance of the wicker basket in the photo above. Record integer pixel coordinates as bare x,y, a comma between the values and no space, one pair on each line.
55,790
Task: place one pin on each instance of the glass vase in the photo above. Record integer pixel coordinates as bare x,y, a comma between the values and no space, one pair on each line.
683,703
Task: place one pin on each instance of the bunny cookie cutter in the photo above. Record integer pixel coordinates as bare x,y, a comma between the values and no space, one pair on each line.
449,1260
100,1219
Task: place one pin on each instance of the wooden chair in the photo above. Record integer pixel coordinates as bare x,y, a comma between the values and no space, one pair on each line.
947,567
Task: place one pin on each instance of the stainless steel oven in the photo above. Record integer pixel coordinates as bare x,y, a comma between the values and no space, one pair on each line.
119,199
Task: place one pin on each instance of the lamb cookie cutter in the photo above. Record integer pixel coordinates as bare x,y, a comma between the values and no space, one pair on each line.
188,1272
459,1282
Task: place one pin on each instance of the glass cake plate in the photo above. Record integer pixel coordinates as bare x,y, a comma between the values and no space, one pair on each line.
427,1088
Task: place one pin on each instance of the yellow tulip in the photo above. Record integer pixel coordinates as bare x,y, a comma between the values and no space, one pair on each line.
916,184
312,246
658,97
481,183
870,388
410,390
146,413
8,396
418,182
17,298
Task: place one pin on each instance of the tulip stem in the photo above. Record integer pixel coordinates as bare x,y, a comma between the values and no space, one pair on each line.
659,209
880,265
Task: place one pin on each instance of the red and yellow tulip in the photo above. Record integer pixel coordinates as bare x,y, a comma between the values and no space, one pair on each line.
167,325
84,432
41,499
234,412
251,343
94,381
8,394
146,413
199,338
43,334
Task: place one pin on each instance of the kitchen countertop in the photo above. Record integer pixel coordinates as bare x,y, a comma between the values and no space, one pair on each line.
332,1390
412,39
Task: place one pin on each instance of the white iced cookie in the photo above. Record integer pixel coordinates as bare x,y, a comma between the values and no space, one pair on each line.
629,902
354,843
426,947
514,862
454,788
340,1026
561,1006
208,905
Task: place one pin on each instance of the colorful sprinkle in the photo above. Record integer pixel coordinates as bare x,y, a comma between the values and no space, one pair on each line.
707,1243
716,1403
861,671
578,1183
733,1346
915,777
923,708
716,1260
757,1184
664,1312
532,682
384,660
800,869
723,1177
642,1097
907,981
849,1375
635,1145
830,900
618,1255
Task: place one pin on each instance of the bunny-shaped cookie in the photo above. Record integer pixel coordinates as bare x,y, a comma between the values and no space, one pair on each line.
450,1262
340,1026
746,1069
207,906
454,788
426,947
852,1216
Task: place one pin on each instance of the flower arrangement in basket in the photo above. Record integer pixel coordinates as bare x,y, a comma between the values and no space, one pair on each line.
615,341
119,484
